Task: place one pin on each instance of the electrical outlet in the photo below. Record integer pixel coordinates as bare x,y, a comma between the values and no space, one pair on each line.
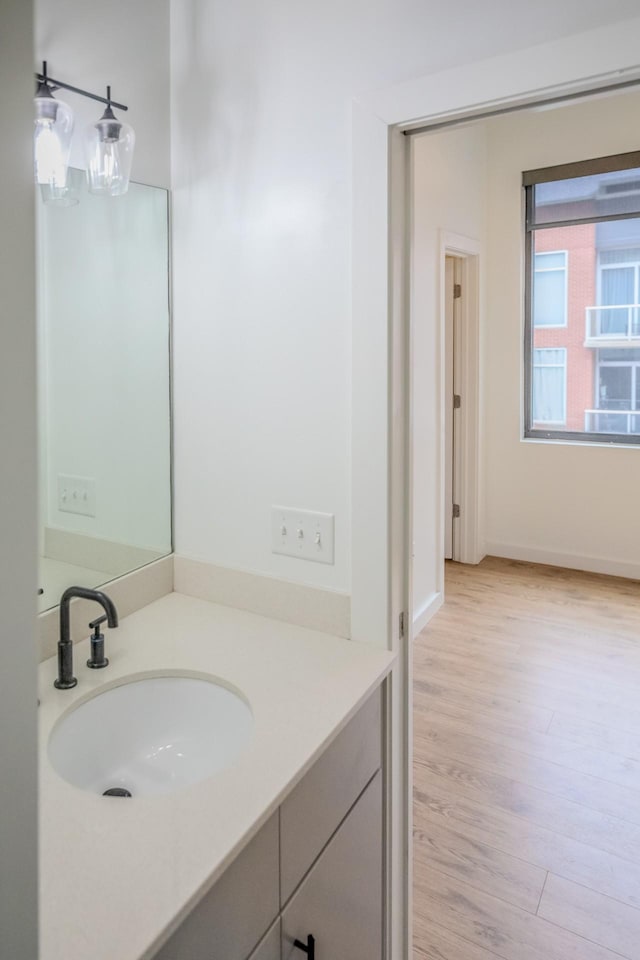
303,534
77,495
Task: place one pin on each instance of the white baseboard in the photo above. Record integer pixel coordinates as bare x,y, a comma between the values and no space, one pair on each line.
571,561
428,610
306,606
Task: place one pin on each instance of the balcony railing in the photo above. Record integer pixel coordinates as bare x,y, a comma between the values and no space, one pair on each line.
612,421
618,325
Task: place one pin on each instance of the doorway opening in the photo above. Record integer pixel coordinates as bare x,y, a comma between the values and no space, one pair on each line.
382,332
452,404
455,743
460,268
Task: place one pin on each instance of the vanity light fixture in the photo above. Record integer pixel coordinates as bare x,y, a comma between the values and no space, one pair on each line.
109,147
109,143
52,135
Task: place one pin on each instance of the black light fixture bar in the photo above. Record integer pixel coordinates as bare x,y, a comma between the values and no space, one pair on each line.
59,85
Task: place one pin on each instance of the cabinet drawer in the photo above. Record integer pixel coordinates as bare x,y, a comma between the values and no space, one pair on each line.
269,946
340,901
316,807
229,921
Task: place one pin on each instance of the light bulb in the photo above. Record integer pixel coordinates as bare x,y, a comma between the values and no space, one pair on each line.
50,165
51,138
108,166
109,147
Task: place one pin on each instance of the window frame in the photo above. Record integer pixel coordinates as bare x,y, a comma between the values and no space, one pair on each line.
619,162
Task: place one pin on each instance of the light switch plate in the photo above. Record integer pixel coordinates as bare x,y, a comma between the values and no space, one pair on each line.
302,533
77,495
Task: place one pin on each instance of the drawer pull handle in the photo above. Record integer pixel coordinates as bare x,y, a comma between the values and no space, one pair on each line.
309,947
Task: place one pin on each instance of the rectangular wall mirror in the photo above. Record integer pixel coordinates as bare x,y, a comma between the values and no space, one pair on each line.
104,386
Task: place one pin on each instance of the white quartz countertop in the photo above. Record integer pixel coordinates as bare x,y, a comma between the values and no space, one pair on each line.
118,876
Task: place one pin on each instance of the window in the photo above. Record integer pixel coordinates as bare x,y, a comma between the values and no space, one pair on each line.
550,289
550,385
582,309
617,407
619,291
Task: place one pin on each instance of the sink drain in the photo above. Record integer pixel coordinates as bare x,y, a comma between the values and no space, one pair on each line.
117,792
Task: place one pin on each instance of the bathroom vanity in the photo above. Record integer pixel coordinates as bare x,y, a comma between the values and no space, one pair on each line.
284,845
320,851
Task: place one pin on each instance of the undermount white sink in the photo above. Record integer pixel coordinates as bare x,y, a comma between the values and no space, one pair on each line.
151,736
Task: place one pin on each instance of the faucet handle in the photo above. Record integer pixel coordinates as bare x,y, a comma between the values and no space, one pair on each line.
97,660
95,626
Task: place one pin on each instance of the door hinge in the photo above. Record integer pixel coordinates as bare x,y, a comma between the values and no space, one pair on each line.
457,401
457,291
401,626
456,511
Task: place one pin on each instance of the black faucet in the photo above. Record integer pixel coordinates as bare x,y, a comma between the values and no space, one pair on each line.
66,679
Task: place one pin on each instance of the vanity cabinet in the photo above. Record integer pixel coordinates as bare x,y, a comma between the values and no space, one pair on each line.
230,919
313,811
269,946
340,900
315,867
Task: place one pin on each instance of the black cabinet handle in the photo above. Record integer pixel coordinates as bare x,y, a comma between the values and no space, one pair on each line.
309,947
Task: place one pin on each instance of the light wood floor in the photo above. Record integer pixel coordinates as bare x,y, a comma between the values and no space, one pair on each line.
527,767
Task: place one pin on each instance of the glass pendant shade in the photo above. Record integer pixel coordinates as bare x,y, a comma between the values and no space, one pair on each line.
51,139
109,147
60,196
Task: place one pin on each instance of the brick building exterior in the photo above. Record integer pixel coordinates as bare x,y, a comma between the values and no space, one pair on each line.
579,244
585,309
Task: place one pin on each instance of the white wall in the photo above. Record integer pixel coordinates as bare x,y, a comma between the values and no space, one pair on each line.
261,98
18,801
448,195
572,504
90,44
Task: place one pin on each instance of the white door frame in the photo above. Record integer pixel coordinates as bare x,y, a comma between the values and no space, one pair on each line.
468,548
449,320
381,337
